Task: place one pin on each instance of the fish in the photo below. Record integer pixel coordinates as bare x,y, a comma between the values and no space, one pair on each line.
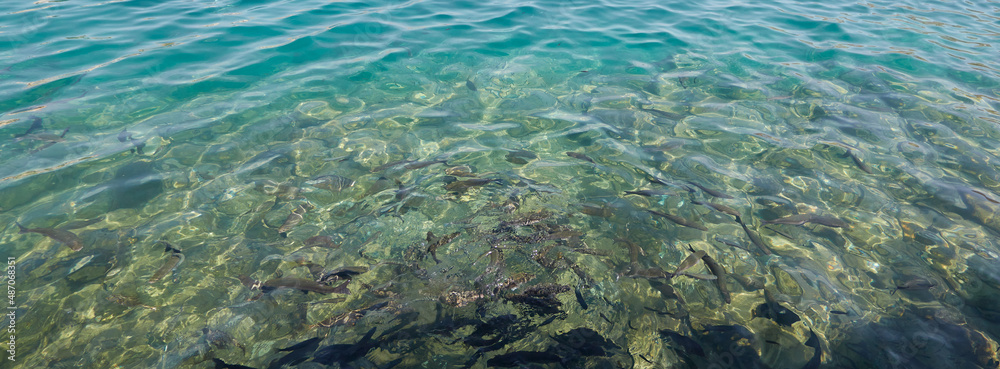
857,161
425,163
173,261
321,241
36,124
470,85
662,113
749,283
219,364
433,243
47,137
579,299
580,156
65,237
914,284
689,261
704,277
731,243
520,156
689,345
754,238
720,272
346,353
710,191
389,165
650,193
347,272
465,184
332,182
771,309
294,219
800,219
304,285
297,353
719,208
679,220
124,135
460,171
603,210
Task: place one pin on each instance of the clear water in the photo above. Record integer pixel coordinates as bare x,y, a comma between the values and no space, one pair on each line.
881,114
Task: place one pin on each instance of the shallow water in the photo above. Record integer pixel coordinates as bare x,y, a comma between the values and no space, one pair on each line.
236,132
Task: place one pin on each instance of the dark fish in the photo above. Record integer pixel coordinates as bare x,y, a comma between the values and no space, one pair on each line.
579,156
321,241
689,262
425,163
346,353
124,135
342,273
650,193
390,165
304,285
914,284
754,237
838,312
679,220
219,364
662,113
65,237
299,352
731,243
460,171
433,243
719,272
294,219
689,345
333,182
82,223
173,261
711,191
36,124
720,208
749,283
465,184
704,277
47,137
857,161
771,309
470,85
603,210
800,219
137,146
520,156
579,299
522,358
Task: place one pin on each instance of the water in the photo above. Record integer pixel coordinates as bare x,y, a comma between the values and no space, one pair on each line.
879,114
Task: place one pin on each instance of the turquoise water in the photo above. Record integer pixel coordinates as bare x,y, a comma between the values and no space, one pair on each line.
258,139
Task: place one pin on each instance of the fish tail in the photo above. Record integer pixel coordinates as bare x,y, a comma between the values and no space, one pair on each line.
20,228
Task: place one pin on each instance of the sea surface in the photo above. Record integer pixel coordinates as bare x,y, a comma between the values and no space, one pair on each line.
488,184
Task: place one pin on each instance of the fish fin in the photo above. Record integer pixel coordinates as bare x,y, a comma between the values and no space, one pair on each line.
342,288
283,234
